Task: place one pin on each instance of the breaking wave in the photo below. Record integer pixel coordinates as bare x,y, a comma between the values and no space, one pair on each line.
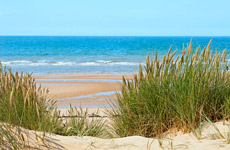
67,63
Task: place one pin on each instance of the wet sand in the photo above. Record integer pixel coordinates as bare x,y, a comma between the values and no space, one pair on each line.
81,89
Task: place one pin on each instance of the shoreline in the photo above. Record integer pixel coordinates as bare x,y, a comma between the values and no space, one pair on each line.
85,90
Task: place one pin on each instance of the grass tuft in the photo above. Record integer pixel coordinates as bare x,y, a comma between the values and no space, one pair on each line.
24,105
174,93
79,124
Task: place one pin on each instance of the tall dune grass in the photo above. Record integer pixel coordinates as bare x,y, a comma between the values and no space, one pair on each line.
24,104
178,92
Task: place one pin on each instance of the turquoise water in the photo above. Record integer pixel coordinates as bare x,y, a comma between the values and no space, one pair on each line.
51,54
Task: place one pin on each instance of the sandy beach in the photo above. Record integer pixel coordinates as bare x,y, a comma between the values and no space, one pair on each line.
80,89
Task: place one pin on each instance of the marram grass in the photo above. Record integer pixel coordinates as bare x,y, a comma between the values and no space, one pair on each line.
23,104
179,92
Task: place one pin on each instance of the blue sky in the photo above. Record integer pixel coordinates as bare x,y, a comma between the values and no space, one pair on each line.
115,17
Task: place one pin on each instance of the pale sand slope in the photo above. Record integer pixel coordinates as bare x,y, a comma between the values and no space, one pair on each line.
210,140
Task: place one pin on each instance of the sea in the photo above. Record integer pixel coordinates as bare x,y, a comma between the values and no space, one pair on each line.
92,54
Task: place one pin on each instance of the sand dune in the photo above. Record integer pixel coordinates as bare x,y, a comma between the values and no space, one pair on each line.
210,140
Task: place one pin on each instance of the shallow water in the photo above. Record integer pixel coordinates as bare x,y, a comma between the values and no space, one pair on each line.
92,96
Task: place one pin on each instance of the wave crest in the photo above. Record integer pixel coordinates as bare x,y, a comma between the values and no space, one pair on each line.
67,63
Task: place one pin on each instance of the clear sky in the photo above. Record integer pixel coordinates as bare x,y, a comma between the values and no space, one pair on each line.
115,17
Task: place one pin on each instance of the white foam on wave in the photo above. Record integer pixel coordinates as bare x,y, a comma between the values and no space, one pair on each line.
124,63
23,63
15,62
89,64
63,63
20,61
38,64
66,63
104,61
